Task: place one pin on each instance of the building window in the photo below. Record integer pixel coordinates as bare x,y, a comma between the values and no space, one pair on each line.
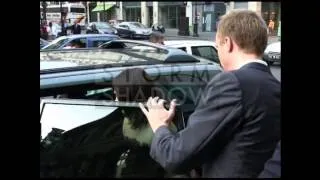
240,5
133,14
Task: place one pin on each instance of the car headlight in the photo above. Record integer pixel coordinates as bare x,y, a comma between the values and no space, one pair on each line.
115,31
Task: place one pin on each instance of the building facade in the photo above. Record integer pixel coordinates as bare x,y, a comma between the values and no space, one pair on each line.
204,13
270,11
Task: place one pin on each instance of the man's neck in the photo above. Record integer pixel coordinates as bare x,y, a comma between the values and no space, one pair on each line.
241,60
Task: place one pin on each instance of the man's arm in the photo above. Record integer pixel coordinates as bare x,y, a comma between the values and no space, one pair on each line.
272,168
217,116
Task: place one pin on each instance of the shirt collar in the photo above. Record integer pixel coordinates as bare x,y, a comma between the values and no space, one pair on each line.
255,60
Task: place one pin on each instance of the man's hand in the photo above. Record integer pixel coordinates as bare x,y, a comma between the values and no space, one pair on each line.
156,114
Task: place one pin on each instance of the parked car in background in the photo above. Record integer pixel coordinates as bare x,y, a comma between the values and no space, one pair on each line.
133,30
204,49
272,53
43,43
86,40
114,22
103,28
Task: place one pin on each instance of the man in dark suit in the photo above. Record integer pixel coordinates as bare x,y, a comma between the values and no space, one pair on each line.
272,168
76,28
236,125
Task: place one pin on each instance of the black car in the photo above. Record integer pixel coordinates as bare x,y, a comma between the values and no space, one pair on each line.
81,124
103,28
133,30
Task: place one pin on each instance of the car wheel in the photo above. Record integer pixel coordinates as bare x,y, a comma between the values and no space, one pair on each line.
131,36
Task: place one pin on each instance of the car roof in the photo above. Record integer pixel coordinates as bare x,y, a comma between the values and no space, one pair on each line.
184,42
105,74
129,22
104,56
56,64
90,35
96,22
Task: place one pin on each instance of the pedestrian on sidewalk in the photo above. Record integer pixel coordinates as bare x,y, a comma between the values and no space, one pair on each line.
44,32
51,32
157,38
271,27
93,29
75,28
236,125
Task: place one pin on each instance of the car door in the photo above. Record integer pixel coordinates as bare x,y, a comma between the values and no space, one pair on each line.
207,52
123,30
83,138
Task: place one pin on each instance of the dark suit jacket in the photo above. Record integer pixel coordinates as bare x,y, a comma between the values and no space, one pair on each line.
272,169
75,29
233,131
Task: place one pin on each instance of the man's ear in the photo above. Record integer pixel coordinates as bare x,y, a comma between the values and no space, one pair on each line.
229,43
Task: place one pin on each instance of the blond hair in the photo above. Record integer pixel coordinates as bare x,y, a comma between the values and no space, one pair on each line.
246,28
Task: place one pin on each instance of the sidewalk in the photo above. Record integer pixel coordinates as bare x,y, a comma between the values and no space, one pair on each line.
172,34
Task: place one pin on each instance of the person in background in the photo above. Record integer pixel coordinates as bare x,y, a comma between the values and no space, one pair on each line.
93,29
44,30
271,27
157,38
55,30
50,33
236,125
76,28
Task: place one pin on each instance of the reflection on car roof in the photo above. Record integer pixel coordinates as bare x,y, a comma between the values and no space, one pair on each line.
91,35
92,57
185,42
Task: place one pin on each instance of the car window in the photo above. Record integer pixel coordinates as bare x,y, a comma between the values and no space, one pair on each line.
137,25
78,43
183,49
64,117
80,137
102,25
97,42
207,52
124,26
57,43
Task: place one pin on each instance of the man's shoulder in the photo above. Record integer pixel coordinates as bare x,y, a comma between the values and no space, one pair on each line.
224,78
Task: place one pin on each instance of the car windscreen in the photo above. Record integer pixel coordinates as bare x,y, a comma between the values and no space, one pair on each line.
102,25
57,43
137,25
